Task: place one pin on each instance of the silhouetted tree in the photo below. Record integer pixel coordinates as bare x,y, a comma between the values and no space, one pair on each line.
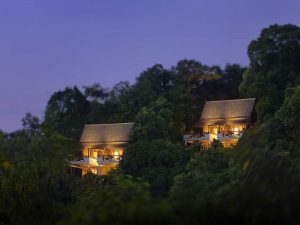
67,112
274,66
31,124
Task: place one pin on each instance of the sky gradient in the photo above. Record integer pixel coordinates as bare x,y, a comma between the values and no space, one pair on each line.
48,45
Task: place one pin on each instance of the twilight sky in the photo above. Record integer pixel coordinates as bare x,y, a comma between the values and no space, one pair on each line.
48,45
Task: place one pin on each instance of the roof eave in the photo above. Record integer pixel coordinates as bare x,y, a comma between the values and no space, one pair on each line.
223,121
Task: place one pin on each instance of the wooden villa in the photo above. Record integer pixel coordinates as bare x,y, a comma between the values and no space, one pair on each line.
102,145
222,120
102,148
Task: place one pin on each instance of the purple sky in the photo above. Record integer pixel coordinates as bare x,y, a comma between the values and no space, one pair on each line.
47,45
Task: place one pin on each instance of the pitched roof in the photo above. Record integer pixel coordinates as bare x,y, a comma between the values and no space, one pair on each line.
103,133
228,109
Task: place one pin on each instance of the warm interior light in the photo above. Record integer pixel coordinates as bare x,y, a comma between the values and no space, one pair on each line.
236,130
116,155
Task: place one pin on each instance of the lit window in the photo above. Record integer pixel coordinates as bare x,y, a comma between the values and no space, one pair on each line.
116,155
94,154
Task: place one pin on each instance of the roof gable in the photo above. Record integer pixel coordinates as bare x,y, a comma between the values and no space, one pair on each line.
227,109
104,133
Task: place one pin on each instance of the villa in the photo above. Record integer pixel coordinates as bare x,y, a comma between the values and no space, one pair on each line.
102,145
222,120
102,148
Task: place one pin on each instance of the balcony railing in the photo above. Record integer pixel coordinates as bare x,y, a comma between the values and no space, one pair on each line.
229,134
90,160
85,161
204,135
109,158
220,135
100,158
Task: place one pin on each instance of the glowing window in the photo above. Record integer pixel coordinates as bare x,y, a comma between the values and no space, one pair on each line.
116,155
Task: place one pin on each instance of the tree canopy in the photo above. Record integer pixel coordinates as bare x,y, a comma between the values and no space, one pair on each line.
274,67
67,112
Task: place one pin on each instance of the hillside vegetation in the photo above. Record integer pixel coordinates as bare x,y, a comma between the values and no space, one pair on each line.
159,180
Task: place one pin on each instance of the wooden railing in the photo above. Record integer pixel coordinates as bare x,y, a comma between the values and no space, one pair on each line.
220,134
197,135
100,157
109,157
230,133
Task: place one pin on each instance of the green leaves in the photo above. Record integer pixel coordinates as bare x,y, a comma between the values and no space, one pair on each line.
207,184
66,112
274,66
152,153
35,185
276,45
116,199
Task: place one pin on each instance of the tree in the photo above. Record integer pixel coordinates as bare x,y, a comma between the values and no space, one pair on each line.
67,112
190,92
151,84
217,144
114,105
96,92
228,86
115,199
287,124
120,89
34,187
152,153
270,154
156,161
188,97
156,81
274,66
205,189
159,114
119,107
31,124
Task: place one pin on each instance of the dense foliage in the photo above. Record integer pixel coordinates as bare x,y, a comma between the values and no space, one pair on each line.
66,112
274,67
154,154
115,199
159,180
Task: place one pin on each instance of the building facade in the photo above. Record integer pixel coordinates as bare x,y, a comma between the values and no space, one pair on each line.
222,120
102,145
102,148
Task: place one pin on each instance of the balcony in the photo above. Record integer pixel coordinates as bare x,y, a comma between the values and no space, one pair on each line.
196,137
100,160
229,135
103,159
86,161
223,135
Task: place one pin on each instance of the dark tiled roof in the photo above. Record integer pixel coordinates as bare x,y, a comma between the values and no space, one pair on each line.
103,133
227,109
